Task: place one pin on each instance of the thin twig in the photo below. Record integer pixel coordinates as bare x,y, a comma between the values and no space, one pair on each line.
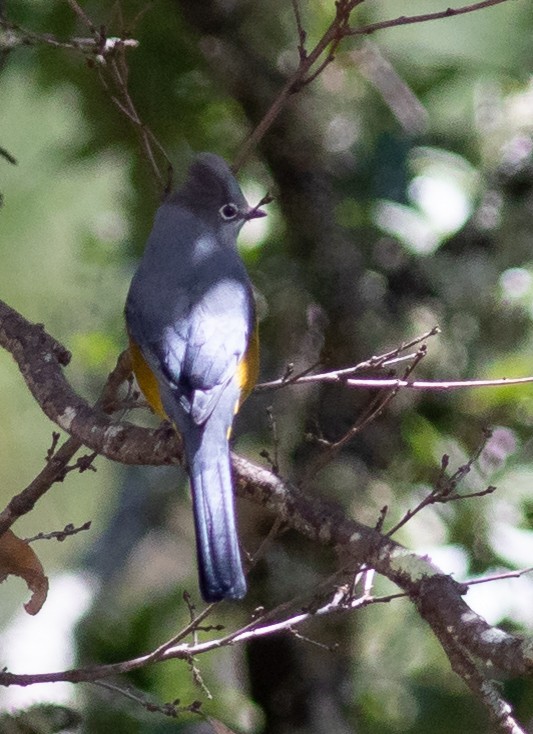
273,425
383,360
423,18
373,383
55,440
297,80
338,29
56,465
445,489
440,385
53,471
302,35
374,409
172,709
273,533
377,406
160,651
83,16
117,71
5,153
60,535
96,45
315,643
185,651
499,577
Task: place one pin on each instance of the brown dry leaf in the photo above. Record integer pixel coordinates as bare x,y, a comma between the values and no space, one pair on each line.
19,559
219,727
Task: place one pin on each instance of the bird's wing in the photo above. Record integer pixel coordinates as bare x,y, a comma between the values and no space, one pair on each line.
204,363
194,342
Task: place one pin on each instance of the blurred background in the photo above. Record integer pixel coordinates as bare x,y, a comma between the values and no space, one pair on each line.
403,179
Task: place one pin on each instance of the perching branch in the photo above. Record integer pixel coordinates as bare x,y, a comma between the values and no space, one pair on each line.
124,442
40,359
437,597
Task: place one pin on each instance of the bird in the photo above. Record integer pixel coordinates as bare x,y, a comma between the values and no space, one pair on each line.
191,322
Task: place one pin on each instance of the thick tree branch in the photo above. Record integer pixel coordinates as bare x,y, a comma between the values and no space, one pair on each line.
40,359
437,596
56,466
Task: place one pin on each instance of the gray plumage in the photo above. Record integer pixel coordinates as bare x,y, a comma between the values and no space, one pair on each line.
190,309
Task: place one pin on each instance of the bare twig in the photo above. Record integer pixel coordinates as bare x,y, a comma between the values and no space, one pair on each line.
288,378
315,643
117,72
53,471
312,63
383,360
97,45
499,576
53,446
374,409
78,10
5,153
159,652
172,709
60,535
438,385
272,423
302,35
327,44
372,383
423,18
185,651
273,533
109,52
445,489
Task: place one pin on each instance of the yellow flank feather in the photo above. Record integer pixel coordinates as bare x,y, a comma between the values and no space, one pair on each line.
146,379
248,368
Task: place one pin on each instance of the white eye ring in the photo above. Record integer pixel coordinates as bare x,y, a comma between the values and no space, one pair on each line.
228,211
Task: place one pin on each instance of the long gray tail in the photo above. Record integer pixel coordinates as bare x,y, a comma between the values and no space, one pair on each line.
219,558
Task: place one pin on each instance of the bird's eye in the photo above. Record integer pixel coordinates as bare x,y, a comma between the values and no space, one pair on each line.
228,211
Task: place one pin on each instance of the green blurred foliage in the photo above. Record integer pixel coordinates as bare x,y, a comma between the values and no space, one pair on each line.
398,207
40,719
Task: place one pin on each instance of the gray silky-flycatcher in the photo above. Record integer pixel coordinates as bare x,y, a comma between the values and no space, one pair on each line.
191,323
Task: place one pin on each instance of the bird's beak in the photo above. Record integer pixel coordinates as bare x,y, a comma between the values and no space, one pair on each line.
254,213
